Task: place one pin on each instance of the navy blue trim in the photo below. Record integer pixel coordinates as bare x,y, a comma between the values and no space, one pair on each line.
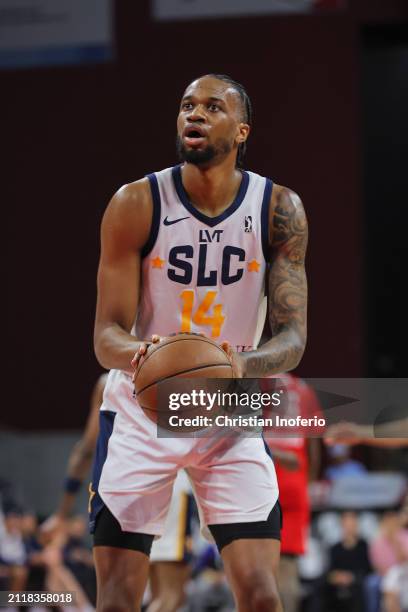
106,423
267,449
211,221
154,230
266,200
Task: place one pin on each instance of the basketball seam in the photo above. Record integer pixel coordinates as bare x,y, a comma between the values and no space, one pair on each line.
171,340
175,375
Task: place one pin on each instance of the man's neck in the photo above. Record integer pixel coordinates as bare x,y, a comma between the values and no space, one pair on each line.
350,541
211,190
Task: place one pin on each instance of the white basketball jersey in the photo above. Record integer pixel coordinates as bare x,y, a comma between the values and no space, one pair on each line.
205,274
199,274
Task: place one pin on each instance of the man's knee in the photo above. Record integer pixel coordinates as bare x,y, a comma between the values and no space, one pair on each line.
113,600
265,601
119,594
258,591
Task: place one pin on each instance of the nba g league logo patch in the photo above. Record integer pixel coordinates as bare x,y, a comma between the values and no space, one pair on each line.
248,223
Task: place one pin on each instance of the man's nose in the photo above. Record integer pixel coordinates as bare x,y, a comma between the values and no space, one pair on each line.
197,114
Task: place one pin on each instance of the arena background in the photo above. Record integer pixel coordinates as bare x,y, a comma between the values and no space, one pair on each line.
330,94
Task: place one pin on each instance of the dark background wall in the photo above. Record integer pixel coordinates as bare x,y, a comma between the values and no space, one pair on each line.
72,136
385,154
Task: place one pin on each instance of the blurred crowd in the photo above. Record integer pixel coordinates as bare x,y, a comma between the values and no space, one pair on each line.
354,561
33,560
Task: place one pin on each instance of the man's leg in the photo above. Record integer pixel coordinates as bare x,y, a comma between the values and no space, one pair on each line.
121,578
122,565
289,584
250,552
169,559
235,484
251,567
171,578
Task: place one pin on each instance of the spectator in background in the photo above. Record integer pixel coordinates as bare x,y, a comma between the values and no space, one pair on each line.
33,548
390,547
395,589
341,464
44,556
9,499
387,550
13,571
404,513
209,590
349,565
78,558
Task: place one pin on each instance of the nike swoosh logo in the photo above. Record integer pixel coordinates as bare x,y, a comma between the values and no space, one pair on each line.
168,222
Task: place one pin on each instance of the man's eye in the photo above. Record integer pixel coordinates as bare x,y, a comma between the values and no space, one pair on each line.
214,107
186,106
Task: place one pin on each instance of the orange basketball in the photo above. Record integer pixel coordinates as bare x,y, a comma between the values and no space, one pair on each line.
177,357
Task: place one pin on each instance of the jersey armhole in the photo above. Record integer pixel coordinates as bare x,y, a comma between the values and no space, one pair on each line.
154,230
266,200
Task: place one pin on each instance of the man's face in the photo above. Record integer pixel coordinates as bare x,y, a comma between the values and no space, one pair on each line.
210,124
350,524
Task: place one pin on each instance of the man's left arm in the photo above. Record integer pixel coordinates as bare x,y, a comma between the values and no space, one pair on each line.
287,299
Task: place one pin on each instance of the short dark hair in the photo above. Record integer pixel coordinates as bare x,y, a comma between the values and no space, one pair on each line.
246,108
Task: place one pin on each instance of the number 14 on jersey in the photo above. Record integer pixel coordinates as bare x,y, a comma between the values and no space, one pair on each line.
202,315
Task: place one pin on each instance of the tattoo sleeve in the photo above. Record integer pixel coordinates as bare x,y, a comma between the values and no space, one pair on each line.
287,290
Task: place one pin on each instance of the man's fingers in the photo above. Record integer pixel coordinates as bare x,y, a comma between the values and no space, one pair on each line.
140,352
225,345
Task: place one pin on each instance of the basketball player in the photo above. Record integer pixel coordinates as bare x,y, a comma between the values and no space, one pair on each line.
188,249
293,483
169,569
79,461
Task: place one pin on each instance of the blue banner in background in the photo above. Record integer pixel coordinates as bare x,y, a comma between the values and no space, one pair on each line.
54,32
207,9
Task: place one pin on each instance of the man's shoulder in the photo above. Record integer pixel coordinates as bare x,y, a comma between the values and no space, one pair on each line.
141,188
285,196
131,198
134,191
129,212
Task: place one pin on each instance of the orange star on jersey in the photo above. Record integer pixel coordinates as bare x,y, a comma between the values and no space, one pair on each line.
157,262
253,266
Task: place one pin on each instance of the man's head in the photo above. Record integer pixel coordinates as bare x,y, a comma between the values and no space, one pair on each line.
350,524
339,453
214,121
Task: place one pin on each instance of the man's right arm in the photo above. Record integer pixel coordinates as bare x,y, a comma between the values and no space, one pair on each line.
125,230
383,435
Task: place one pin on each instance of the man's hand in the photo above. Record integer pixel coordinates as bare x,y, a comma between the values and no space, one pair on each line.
347,433
237,360
139,356
341,578
52,525
287,459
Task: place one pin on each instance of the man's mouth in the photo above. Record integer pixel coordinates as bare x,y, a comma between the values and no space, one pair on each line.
193,136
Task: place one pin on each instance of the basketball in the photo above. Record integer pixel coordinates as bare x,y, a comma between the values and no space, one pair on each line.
178,357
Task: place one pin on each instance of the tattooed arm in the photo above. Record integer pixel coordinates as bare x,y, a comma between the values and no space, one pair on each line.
287,299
